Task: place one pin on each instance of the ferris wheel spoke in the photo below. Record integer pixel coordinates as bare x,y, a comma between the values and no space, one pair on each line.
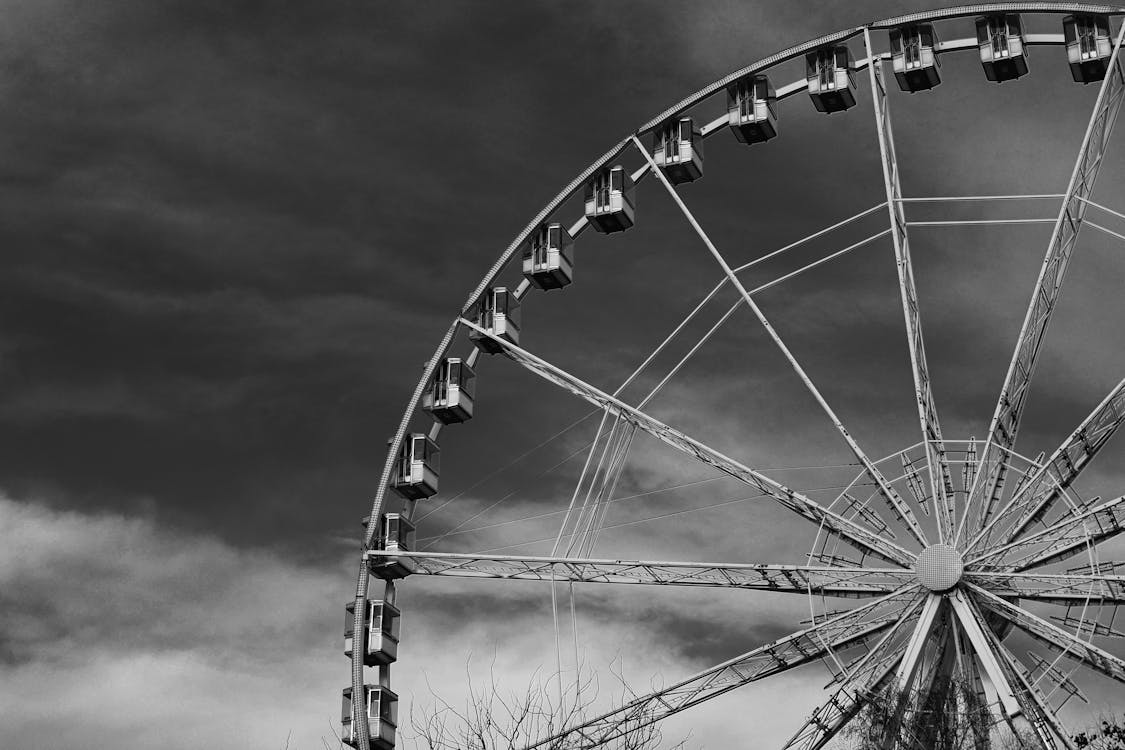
1060,541
1034,705
1062,469
972,624
844,631
860,537
1052,635
863,681
1064,589
941,482
1013,395
797,579
894,500
911,660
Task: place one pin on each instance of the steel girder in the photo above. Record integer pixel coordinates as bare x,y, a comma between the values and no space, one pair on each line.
1065,589
800,579
843,631
1064,466
1064,539
1034,705
863,680
1053,636
1013,395
940,481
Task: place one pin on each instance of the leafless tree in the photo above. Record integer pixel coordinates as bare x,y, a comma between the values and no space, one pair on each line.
952,716
493,718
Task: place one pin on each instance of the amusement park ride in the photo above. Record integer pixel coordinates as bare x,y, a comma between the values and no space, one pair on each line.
942,597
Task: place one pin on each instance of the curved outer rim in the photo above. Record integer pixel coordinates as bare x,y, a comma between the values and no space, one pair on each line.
359,717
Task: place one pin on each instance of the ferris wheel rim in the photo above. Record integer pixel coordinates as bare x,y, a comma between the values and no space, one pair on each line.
394,444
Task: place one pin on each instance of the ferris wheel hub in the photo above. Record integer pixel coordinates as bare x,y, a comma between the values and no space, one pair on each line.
939,567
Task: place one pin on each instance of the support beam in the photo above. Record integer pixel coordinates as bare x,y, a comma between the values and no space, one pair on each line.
843,631
975,632
908,668
940,481
1063,589
1067,538
1005,423
1061,470
861,685
1047,725
894,501
1051,635
1036,710
911,658
856,535
797,579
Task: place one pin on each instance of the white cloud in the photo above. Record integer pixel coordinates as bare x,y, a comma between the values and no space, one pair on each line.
118,633
121,633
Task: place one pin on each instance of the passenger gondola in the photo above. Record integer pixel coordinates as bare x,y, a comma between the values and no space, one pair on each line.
1001,44
498,312
914,57
830,74
380,632
449,399
677,149
548,261
610,200
382,717
1088,46
416,472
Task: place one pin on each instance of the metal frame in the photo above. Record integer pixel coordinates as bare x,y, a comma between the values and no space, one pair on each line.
940,483
893,603
1006,419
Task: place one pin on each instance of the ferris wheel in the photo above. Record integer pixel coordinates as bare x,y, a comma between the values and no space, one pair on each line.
924,563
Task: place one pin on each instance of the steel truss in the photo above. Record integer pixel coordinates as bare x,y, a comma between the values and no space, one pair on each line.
796,579
1005,424
839,633
1036,498
903,633
940,481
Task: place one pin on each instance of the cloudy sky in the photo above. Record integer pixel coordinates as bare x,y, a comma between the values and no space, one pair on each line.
235,231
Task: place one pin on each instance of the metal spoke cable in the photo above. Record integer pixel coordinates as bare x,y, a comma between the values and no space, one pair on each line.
601,510
516,460
604,479
597,479
956,198
1110,232
558,512
582,480
803,240
478,514
648,493
554,552
977,222
737,305
663,516
1100,207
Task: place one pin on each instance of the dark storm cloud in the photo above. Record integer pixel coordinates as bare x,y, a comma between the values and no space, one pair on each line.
192,268
234,231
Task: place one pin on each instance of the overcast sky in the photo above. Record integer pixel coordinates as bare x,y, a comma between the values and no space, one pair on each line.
235,231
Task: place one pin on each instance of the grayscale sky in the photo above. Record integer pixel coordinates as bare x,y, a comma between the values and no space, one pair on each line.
235,231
